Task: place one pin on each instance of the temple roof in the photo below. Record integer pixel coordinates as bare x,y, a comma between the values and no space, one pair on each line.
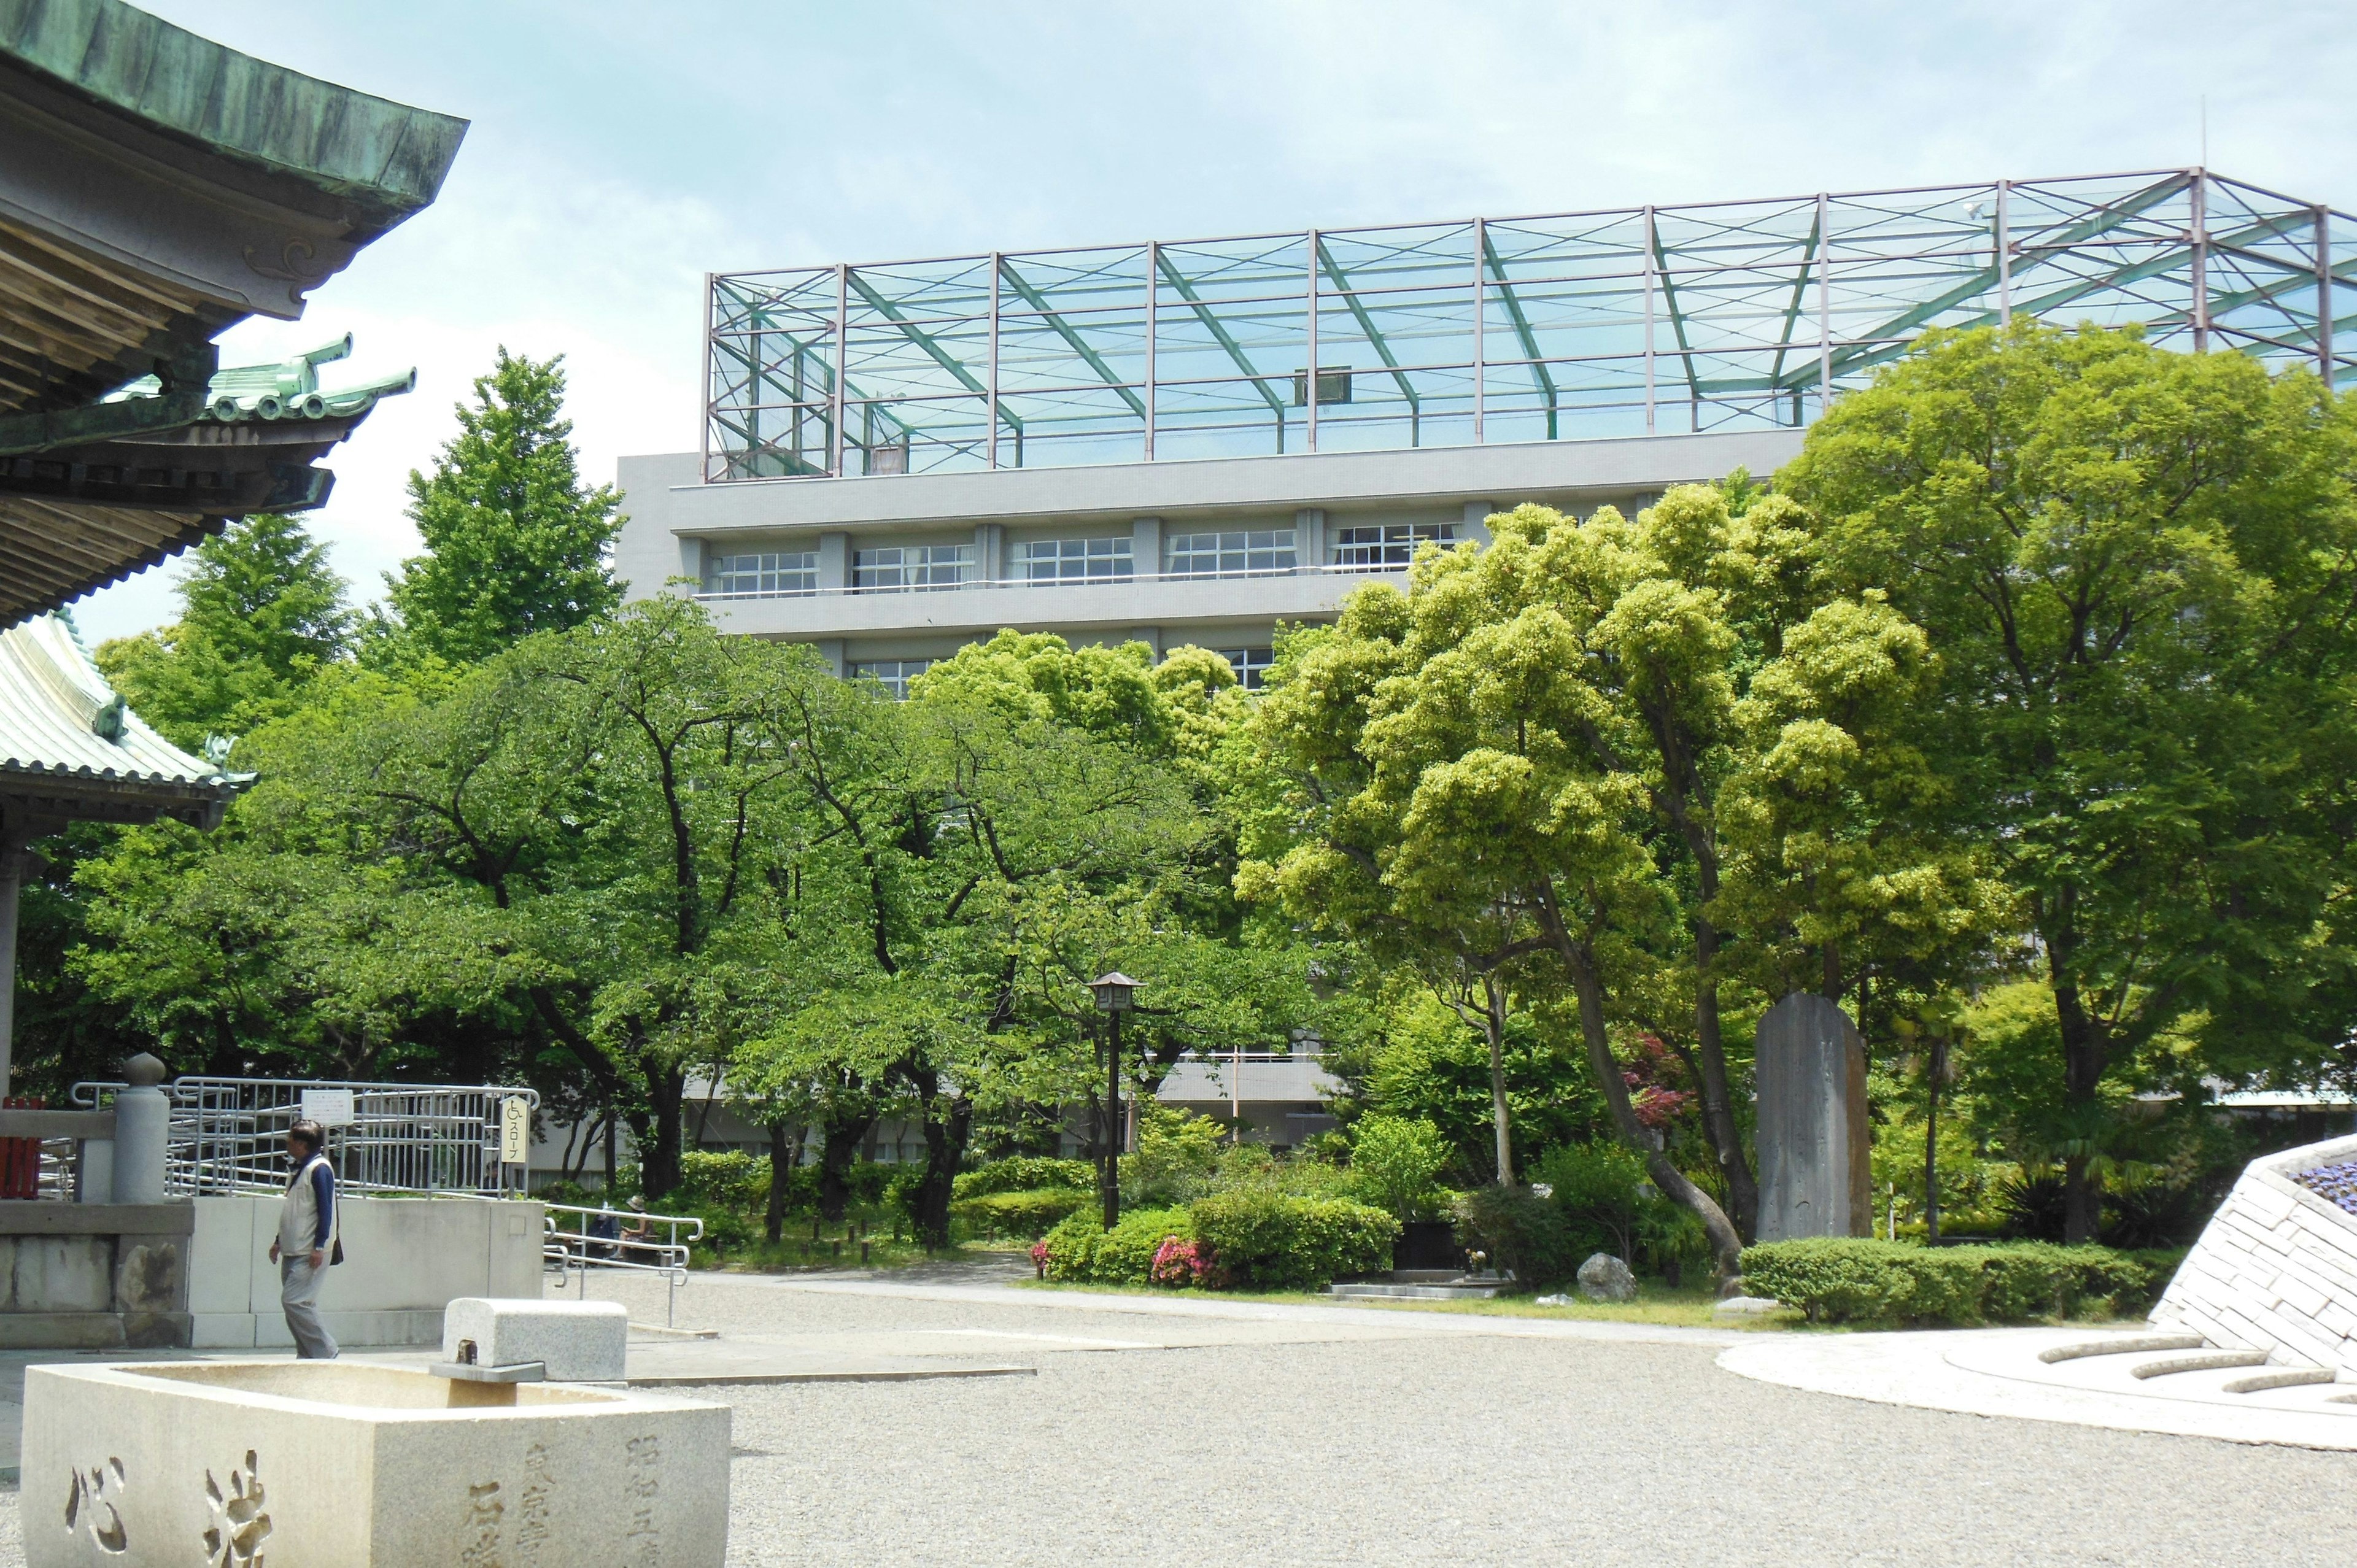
94,504
385,160
70,748
157,188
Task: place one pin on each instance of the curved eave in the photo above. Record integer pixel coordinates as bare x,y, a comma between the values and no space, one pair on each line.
382,160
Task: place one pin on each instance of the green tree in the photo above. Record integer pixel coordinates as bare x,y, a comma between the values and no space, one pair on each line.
516,543
2136,567
261,613
1536,741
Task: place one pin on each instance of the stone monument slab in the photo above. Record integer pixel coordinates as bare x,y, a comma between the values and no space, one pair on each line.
1816,1172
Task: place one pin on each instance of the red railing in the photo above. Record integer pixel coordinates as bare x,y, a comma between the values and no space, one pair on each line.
20,1158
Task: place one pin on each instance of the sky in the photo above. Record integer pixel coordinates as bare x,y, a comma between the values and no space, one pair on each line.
620,151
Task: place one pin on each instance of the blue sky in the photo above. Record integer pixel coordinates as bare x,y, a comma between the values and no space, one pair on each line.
619,152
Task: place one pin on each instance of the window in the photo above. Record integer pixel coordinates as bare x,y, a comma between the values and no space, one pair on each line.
1386,548
894,674
894,568
1073,561
1251,664
1224,554
764,576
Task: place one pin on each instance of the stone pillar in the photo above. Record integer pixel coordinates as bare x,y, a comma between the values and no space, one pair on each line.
831,649
1816,1165
990,552
13,860
143,1121
833,562
1476,525
1310,537
1146,546
693,553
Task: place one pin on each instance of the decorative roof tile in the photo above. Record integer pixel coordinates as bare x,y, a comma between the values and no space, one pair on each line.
59,718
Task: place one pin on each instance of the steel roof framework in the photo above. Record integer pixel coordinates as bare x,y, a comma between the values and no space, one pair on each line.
1711,316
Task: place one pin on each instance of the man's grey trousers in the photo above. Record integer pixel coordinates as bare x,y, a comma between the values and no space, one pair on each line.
299,1293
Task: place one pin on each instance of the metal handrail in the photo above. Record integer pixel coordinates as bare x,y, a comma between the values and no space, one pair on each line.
225,1134
579,1251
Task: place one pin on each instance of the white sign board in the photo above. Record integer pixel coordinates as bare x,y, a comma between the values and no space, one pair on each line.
329,1107
515,1130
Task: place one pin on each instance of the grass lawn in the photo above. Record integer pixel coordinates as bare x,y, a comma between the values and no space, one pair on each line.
1686,1307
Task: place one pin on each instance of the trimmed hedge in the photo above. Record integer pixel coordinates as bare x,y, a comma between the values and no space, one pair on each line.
1265,1241
1852,1280
1271,1242
1025,1216
1081,1251
1024,1173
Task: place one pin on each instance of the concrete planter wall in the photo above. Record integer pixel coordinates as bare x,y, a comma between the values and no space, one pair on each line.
405,1259
2276,1269
93,1276
337,1464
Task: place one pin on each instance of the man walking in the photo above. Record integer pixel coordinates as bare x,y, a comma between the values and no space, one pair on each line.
307,1232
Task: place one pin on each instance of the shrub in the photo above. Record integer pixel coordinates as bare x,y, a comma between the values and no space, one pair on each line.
1022,1216
1024,1173
1525,1235
1852,1280
1180,1262
1272,1240
1394,1165
1125,1255
1069,1251
1177,1152
732,1180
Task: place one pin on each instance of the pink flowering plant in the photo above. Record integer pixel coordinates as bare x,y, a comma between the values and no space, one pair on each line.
1181,1261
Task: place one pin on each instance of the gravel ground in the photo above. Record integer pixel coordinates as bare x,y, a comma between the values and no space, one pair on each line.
1433,1448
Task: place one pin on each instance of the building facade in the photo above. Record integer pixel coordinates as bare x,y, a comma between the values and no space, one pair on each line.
1199,441
887,574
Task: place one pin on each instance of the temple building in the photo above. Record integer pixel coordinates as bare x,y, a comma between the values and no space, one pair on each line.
156,189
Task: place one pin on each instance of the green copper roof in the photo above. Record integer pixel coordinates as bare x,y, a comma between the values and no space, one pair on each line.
386,158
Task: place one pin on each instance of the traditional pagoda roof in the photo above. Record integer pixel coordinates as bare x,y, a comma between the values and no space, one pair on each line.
79,514
72,749
154,188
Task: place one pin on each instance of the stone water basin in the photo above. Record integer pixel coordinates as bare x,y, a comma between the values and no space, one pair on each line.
340,1465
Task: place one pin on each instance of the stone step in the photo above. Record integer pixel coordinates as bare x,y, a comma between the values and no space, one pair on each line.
1415,1293
2213,1361
2281,1378
2127,1345
1427,1276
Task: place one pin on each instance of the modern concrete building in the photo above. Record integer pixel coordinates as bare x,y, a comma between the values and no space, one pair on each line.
1124,442
887,575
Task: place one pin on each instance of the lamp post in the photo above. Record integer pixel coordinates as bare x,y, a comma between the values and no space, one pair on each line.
1114,994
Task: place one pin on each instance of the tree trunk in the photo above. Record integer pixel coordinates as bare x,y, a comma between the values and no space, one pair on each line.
659,1163
945,1140
2083,1059
2083,1201
613,1154
1726,1245
844,1130
1932,1155
785,1152
1494,1024
1718,1099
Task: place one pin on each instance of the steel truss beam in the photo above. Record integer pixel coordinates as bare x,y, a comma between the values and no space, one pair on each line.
1522,326
1383,348
1219,331
1071,336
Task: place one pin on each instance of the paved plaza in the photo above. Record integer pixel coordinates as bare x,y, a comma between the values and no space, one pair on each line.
1103,1430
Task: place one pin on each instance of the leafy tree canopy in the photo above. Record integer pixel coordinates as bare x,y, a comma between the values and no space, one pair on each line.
515,541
